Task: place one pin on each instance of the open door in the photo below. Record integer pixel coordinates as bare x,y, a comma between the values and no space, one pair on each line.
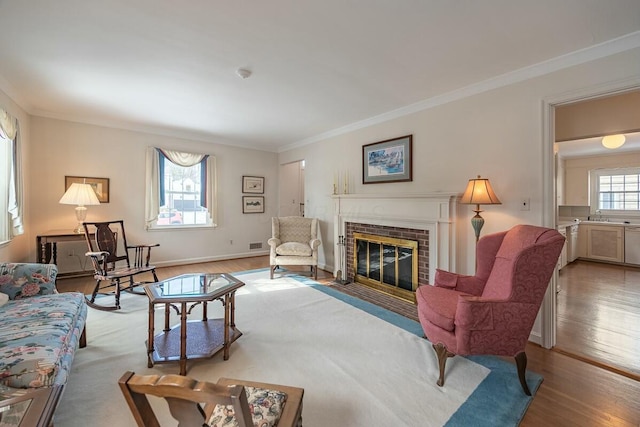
291,189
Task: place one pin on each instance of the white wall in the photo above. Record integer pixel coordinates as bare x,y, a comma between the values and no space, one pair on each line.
497,134
60,148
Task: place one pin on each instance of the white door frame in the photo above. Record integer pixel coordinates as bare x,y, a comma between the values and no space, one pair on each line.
548,313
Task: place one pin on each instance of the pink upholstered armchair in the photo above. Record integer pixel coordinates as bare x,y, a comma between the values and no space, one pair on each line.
492,312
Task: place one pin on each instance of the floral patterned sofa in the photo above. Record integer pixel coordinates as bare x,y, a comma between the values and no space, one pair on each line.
40,329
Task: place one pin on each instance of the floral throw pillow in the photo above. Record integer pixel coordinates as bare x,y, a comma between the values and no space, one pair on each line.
23,280
265,406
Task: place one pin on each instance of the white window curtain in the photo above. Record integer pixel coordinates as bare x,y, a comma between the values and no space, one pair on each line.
152,206
10,138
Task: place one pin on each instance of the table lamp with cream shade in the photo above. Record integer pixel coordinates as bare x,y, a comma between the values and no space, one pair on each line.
81,195
479,192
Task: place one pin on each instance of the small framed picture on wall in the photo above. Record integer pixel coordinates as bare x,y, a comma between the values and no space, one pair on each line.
252,204
253,184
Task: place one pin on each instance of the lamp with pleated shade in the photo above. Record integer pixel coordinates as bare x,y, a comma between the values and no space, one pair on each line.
479,192
81,195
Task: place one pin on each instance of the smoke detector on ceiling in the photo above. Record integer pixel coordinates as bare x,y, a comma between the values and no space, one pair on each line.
243,73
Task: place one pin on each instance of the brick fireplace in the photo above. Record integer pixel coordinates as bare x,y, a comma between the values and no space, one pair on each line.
426,218
421,254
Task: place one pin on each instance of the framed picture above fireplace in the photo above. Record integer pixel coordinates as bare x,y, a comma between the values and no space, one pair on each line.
387,161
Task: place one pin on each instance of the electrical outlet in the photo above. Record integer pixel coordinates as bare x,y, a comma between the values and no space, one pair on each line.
231,242
524,204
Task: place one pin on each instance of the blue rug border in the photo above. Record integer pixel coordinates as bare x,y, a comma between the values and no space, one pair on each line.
476,410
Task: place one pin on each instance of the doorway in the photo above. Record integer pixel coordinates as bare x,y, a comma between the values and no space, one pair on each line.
596,304
291,189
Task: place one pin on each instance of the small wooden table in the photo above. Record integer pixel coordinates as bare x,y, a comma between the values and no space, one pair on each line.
47,249
196,339
28,407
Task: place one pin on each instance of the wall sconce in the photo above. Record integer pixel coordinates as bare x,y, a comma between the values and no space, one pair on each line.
479,192
613,141
80,195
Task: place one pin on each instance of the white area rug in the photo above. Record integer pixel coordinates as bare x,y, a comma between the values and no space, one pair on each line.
356,369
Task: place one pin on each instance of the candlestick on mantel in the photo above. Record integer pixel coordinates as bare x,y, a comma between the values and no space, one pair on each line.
346,183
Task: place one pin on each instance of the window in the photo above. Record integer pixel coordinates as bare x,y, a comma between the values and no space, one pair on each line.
616,190
180,189
5,159
10,179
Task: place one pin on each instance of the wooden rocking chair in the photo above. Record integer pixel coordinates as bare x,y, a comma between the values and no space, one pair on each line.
227,401
111,261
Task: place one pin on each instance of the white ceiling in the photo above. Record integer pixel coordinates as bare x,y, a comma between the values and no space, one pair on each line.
594,147
170,66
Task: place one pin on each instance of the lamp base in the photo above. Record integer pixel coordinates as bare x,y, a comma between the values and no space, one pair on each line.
81,215
477,222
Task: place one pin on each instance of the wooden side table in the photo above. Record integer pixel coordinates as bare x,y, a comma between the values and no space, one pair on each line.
30,407
47,249
196,339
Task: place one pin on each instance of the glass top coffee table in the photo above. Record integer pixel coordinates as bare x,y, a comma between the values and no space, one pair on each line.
193,339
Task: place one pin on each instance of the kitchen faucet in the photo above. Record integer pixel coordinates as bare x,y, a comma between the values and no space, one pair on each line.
598,215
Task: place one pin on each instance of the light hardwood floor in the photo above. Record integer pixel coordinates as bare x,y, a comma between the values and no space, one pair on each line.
599,314
573,393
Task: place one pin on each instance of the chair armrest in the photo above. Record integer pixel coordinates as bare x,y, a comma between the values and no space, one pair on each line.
139,257
314,243
459,282
97,254
273,242
143,246
99,261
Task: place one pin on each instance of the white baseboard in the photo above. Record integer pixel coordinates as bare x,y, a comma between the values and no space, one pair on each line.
535,338
210,258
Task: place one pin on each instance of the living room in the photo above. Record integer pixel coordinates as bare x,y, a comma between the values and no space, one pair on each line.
496,125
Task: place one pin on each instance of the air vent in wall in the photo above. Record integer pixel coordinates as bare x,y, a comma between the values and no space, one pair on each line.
255,245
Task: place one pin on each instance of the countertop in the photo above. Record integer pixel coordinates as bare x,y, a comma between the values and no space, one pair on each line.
568,223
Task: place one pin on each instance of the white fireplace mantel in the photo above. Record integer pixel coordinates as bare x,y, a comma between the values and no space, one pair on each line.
435,212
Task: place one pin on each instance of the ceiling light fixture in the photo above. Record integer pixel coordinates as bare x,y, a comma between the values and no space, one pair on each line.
613,141
243,73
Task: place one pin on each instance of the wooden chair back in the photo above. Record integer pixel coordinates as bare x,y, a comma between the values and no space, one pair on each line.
184,397
103,237
114,259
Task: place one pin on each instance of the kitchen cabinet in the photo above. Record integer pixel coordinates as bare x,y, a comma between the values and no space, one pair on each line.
605,242
582,240
559,181
562,260
576,186
572,243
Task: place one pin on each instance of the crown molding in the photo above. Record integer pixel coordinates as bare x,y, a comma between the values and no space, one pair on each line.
602,50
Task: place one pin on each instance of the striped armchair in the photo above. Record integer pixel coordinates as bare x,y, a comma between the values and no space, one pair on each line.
294,241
